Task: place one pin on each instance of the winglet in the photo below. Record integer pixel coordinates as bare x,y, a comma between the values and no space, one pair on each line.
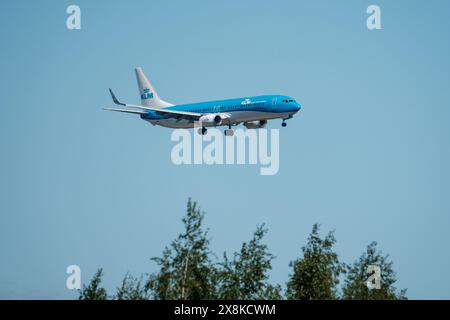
115,99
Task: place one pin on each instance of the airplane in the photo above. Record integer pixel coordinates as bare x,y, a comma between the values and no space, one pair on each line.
253,112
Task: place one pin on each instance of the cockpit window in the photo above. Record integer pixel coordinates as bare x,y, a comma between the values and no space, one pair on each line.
288,100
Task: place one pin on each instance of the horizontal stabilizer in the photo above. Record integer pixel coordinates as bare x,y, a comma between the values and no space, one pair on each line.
167,112
125,110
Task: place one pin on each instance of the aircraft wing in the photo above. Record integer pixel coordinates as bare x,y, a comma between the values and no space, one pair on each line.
192,116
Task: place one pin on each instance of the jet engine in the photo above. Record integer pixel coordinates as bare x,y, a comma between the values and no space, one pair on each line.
213,118
255,124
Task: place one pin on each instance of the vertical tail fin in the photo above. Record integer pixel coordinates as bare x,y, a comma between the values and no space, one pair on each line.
149,97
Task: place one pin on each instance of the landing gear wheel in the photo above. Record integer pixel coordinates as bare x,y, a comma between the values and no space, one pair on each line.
283,124
229,132
202,131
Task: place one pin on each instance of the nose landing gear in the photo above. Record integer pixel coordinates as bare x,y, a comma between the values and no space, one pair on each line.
284,124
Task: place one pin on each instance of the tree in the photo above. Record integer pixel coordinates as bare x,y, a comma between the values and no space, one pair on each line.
316,274
357,276
186,270
246,276
132,289
160,285
94,291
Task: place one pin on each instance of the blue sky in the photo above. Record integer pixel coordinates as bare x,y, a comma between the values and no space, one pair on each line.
367,156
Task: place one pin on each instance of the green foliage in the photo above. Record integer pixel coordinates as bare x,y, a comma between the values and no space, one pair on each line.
132,289
160,284
186,270
246,276
316,274
94,291
356,281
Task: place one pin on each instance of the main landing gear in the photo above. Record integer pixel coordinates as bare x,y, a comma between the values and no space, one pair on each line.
202,131
229,132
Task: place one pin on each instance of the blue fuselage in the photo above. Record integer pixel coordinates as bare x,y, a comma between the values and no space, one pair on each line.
235,110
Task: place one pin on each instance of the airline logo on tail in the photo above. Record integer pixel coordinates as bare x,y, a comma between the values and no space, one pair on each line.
147,94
